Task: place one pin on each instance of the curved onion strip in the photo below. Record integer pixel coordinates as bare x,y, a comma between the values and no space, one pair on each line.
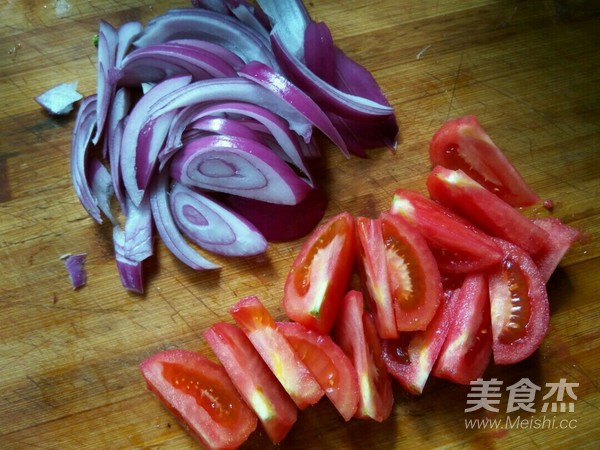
113,138
326,95
137,119
284,89
210,26
130,271
167,228
80,142
128,32
108,41
229,7
138,231
171,59
213,227
238,166
225,54
244,13
291,19
273,123
224,127
102,187
319,51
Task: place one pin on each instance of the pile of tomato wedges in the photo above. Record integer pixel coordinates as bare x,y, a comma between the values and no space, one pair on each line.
439,284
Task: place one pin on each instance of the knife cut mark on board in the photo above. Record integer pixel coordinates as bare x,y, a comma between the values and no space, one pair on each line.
454,84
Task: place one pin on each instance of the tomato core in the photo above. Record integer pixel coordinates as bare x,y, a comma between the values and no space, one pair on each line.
520,310
219,404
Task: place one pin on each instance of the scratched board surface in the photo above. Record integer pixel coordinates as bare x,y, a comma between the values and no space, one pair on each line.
68,375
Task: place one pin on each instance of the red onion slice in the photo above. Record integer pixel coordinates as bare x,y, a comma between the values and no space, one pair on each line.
127,33
138,231
291,19
213,227
224,127
319,51
75,268
208,26
218,50
102,187
238,166
108,41
168,230
130,271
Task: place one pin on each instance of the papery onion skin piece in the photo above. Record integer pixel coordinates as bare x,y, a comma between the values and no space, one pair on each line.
75,268
212,226
59,99
167,228
238,166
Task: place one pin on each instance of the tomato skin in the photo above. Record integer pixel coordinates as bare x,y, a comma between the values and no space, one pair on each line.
561,238
468,346
260,327
462,143
410,358
319,276
457,245
468,198
356,334
253,379
425,291
372,267
213,427
328,363
516,288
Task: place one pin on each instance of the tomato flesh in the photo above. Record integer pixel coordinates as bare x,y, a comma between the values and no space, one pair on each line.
328,363
462,143
562,237
356,334
519,306
466,197
199,393
468,346
319,276
456,244
261,329
253,379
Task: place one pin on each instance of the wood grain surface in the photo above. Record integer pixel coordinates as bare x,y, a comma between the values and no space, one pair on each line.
69,379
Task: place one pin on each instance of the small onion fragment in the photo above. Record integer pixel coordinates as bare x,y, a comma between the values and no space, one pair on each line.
74,265
212,226
239,166
59,99
130,271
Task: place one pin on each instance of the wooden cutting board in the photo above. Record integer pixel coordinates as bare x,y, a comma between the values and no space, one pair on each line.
68,374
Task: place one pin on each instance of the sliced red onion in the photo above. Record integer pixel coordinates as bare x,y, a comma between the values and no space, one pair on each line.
75,268
128,33
59,99
80,142
120,108
246,12
287,92
138,231
133,128
319,51
282,223
290,18
326,95
130,271
102,187
218,50
238,166
213,227
273,123
209,26
224,127
156,62
108,41
167,228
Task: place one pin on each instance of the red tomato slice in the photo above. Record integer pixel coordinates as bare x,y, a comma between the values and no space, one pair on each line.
253,379
260,327
466,197
410,357
372,266
357,336
457,245
462,143
562,237
519,306
320,274
328,363
468,346
201,396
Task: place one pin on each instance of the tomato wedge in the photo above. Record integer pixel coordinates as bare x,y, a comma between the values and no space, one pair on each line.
201,396
410,357
466,197
319,276
468,346
562,237
328,363
519,306
457,245
462,143
356,334
253,379
260,327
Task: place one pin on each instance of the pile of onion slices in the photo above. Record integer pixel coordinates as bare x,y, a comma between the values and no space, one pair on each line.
202,124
